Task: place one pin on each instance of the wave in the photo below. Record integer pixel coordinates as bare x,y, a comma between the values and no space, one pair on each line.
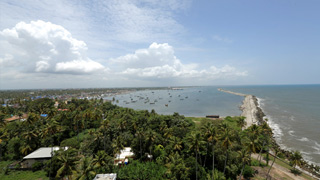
291,132
260,102
304,139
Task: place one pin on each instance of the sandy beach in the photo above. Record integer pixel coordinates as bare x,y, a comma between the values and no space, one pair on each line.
249,107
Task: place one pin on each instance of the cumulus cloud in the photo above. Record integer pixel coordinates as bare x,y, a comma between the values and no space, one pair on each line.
159,61
45,47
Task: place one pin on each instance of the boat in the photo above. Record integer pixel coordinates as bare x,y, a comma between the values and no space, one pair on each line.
212,116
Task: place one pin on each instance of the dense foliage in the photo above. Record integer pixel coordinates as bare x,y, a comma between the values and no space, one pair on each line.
95,131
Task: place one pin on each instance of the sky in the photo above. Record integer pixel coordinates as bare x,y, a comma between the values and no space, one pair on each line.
150,43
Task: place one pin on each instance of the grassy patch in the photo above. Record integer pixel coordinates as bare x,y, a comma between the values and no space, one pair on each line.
202,120
21,175
287,166
24,175
232,122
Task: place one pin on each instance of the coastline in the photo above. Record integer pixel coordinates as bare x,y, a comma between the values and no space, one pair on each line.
250,108
254,115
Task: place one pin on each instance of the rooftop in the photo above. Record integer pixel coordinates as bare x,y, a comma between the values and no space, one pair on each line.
112,176
125,153
44,152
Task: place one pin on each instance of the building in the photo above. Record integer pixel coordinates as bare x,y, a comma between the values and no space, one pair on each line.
123,157
14,118
112,176
40,155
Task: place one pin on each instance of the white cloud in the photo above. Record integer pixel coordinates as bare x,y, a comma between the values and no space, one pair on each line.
47,48
159,61
78,66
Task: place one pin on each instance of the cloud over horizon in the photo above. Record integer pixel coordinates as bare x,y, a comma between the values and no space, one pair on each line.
44,47
43,51
159,61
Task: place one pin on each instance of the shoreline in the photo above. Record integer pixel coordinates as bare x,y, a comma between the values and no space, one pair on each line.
250,108
254,115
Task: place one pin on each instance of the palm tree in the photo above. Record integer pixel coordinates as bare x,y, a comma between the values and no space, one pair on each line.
176,142
68,160
140,135
295,159
275,156
211,135
32,117
196,143
101,160
176,167
85,169
226,137
117,146
245,159
241,122
104,127
2,121
150,139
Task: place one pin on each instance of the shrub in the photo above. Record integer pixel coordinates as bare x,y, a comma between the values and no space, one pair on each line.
71,142
37,166
295,171
248,172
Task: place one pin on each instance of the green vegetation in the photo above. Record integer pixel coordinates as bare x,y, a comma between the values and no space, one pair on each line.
95,131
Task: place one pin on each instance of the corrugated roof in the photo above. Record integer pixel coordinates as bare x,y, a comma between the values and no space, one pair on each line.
124,153
112,176
44,152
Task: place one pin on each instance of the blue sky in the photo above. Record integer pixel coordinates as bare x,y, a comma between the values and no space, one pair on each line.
118,43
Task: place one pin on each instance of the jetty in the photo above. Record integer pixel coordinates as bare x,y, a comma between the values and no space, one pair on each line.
250,108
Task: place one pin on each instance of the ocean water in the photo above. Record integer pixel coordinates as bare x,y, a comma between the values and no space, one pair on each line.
293,111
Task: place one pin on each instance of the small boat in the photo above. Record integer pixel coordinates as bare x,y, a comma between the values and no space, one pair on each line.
166,105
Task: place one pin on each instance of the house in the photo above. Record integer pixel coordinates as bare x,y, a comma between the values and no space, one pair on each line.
14,118
124,156
40,155
112,176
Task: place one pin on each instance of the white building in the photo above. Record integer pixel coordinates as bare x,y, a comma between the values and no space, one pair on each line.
124,155
112,176
39,155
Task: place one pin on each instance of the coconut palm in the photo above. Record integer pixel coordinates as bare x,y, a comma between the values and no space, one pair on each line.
2,121
68,164
196,143
85,169
241,122
176,143
245,159
101,160
211,135
275,156
117,146
176,167
295,159
226,142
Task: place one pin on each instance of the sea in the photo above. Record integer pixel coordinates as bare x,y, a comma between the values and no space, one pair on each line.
293,111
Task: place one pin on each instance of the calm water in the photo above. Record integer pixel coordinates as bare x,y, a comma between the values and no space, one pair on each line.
293,111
